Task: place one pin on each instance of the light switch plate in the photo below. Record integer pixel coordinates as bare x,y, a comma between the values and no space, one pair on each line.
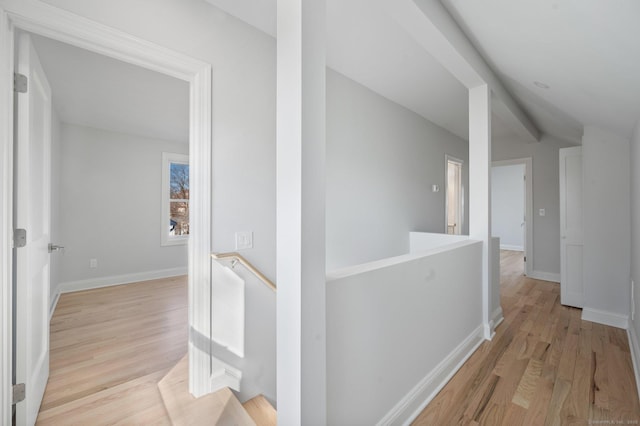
244,240
542,212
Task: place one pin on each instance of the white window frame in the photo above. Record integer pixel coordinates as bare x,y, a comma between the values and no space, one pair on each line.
169,158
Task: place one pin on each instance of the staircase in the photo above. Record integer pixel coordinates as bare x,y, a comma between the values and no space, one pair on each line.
219,408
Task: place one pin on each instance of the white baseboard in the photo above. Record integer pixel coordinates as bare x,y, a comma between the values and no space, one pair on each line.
634,344
545,276
92,283
409,407
496,318
510,247
54,303
606,318
224,376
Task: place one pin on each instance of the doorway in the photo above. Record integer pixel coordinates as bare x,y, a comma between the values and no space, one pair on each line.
454,190
511,212
81,32
107,152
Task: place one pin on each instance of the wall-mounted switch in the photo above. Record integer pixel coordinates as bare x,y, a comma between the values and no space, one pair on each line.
244,240
93,263
542,212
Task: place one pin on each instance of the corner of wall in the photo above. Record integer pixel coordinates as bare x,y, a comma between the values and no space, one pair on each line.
634,325
634,346
410,407
54,302
612,319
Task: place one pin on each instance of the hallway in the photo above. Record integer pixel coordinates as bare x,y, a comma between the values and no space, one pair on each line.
545,366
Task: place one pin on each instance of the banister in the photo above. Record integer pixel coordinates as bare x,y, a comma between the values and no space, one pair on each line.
236,257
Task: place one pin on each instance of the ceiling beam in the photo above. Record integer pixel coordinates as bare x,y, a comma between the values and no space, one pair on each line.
434,28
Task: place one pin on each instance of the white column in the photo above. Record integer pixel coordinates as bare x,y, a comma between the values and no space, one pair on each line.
480,188
301,326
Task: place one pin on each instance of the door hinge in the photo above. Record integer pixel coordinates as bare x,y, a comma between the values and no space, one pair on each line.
525,258
20,83
19,238
18,393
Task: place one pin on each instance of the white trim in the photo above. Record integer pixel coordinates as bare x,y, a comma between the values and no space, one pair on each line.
49,21
165,239
100,282
496,318
54,303
412,404
607,318
510,247
528,210
224,376
634,344
6,215
449,158
545,276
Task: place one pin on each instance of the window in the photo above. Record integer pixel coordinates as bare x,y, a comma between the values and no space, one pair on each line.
175,199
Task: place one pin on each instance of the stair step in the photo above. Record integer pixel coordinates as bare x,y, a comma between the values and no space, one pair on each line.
261,411
219,408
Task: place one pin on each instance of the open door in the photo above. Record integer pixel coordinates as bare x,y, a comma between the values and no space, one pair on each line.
454,201
32,214
571,287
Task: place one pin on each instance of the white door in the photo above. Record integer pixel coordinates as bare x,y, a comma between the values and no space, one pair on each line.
454,196
571,289
33,193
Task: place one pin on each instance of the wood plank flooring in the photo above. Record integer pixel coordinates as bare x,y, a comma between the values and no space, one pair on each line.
220,408
109,349
545,366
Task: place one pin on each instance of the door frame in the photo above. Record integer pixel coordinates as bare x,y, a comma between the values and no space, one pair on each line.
528,210
57,24
449,158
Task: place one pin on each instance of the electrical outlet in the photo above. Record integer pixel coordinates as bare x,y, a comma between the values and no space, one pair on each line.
93,263
244,240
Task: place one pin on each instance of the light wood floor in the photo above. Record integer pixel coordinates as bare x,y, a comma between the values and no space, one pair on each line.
109,349
545,366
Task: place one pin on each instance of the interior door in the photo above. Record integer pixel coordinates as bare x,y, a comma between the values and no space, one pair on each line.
454,196
571,287
32,213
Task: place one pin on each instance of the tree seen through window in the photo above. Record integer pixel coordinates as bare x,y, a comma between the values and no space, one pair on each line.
179,199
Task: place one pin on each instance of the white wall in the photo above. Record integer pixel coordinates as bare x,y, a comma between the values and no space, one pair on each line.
606,219
546,195
258,365
381,162
110,200
388,356
243,112
423,241
508,205
634,329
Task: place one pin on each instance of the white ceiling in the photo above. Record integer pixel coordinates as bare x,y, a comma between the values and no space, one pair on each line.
97,91
587,51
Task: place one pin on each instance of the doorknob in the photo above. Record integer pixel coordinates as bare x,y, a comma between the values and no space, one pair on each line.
53,248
